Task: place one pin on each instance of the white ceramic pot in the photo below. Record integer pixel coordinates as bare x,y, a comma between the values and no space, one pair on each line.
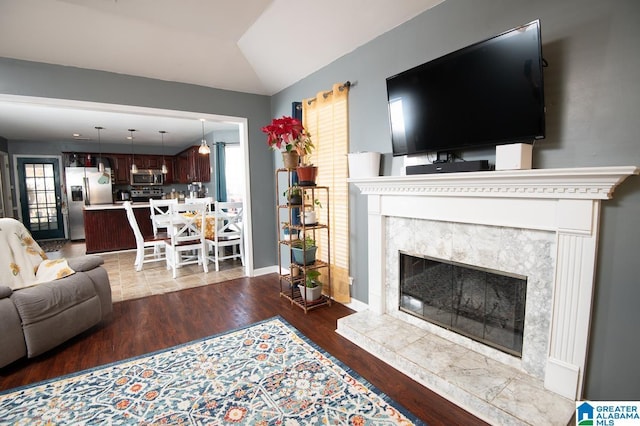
310,294
309,217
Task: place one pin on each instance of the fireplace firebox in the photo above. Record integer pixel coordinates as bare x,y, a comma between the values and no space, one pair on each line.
482,304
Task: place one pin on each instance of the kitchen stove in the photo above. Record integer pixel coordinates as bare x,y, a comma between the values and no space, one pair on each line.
144,194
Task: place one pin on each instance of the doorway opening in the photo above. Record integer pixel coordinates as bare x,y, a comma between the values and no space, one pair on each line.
125,112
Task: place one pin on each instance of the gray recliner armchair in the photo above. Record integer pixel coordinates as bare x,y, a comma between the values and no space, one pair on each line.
36,316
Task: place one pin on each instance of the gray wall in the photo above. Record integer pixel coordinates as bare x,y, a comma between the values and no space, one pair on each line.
52,81
592,97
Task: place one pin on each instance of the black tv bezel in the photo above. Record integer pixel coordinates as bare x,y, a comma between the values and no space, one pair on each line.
452,147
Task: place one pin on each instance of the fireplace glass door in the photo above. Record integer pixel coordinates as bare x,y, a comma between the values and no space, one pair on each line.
485,305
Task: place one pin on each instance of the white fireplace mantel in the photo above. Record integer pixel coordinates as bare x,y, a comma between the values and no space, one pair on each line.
592,183
563,201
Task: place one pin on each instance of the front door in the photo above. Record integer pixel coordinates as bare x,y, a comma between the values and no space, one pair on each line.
40,197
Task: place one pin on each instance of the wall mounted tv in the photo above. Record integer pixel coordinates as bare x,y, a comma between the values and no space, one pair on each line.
489,93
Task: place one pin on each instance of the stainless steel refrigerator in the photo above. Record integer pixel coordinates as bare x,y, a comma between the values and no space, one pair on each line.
85,186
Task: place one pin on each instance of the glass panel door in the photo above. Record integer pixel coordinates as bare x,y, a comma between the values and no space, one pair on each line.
40,197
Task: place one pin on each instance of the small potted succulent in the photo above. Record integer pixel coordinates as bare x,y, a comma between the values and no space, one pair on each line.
312,288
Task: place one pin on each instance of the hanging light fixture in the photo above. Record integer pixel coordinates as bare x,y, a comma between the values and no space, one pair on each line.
134,168
100,163
204,148
164,165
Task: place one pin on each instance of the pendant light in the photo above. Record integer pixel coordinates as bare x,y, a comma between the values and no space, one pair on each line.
100,163
204,148
164,165
134,168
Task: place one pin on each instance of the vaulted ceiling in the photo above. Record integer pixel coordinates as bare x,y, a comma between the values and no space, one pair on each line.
256,46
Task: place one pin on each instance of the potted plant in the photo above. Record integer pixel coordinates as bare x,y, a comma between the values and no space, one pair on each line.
290,233
307,173
309,216
304,250
293,194
289,136
312,288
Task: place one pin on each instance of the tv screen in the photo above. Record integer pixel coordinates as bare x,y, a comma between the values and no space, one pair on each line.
489,93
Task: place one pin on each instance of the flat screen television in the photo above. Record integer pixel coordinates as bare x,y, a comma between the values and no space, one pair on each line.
489,93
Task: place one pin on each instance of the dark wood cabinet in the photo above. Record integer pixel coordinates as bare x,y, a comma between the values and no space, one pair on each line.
182,168
109,230
170,176
186,167
191,166
202,167
150,162
121,164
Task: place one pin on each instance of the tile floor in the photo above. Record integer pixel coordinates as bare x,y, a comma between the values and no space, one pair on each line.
127,283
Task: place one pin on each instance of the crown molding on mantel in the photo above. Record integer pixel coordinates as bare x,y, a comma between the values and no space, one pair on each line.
594,183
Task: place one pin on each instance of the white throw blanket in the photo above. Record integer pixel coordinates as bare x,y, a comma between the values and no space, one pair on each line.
22,262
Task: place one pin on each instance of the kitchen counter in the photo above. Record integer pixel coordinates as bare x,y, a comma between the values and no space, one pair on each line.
107,228
119,205
116,205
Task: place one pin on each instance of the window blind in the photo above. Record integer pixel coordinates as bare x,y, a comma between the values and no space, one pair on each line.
326,117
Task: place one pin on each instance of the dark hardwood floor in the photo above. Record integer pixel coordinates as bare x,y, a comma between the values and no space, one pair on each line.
157,322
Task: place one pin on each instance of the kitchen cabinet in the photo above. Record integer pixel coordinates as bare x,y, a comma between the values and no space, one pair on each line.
188,166
150,162
191,166
170,176
121,164
114,218
182,168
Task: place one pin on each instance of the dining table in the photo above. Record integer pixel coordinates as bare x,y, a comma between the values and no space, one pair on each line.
209,226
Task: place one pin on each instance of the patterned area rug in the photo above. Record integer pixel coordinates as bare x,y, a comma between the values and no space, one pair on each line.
266,373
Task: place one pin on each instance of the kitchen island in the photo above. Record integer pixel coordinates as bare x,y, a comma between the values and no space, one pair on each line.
107,228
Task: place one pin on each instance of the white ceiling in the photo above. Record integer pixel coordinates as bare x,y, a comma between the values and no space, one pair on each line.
256,46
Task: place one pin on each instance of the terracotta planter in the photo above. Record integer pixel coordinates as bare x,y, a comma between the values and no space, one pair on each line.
290,159
307,175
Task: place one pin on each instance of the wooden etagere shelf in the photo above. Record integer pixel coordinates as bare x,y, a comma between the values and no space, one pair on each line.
297,272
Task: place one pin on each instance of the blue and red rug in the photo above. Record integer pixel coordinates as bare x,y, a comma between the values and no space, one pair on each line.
266,373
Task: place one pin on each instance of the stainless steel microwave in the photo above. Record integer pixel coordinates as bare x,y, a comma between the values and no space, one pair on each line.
147,178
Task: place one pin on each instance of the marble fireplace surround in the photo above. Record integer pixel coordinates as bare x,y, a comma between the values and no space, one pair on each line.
558,208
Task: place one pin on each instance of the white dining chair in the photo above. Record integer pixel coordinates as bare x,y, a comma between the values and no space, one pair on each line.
160,213
186,244
156,242
228,232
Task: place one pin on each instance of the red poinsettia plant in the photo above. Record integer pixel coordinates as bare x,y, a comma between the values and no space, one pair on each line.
288,134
